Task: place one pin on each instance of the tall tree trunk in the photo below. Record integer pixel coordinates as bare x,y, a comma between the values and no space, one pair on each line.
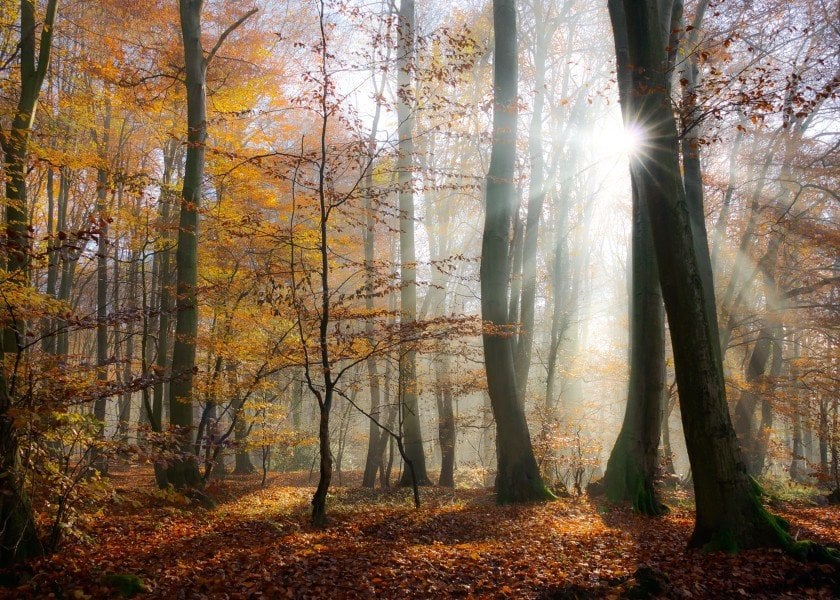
412,431
517,477
371,459
729,514
18,537
182,471
536,198
103,217
124,414
68,257
667,450
163,370
631,469
823,434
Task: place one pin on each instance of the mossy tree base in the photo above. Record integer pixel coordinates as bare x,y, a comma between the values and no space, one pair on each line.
517,486
755,527
625,481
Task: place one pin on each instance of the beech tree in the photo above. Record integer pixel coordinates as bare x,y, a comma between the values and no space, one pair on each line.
517,478
18,538
729,511
183,472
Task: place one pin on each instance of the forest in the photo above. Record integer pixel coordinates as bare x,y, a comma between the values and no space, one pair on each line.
397,299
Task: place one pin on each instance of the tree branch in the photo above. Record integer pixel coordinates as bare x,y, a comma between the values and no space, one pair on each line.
226,33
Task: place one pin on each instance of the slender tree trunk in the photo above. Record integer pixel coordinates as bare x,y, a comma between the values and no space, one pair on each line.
182,471
371,460
412,431
667,450
517,477
67,263
102,187
124,416
48,343
536,198
242,456
163,370
823,434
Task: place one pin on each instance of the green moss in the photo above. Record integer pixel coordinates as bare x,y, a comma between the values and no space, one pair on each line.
808,550
779,489
645,501
724,541
532,491
127,584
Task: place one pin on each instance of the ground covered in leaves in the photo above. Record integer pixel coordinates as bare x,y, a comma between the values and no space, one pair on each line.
257,543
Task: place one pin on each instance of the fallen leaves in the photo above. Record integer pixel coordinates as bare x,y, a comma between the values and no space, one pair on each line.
258,544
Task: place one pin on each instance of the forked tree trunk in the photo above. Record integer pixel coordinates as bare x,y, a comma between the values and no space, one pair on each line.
729,514
517,477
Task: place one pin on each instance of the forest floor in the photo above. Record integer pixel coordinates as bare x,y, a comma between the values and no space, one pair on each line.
257,543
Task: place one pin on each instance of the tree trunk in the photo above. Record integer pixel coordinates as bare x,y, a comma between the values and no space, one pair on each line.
631,469
48,343
241,454
182,472
667,451
372,459
102,184
823,434
18,537
124,416
412,431
68,258
517,477
446,421
744,413
729,513
536,197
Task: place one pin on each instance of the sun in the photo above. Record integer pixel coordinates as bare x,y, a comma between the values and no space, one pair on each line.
614,139
630,140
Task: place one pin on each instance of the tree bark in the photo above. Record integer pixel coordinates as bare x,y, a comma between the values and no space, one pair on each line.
536,198
100,405
18,537
517,477
631,469
729,514
446,420
372,458
182,472
412,432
